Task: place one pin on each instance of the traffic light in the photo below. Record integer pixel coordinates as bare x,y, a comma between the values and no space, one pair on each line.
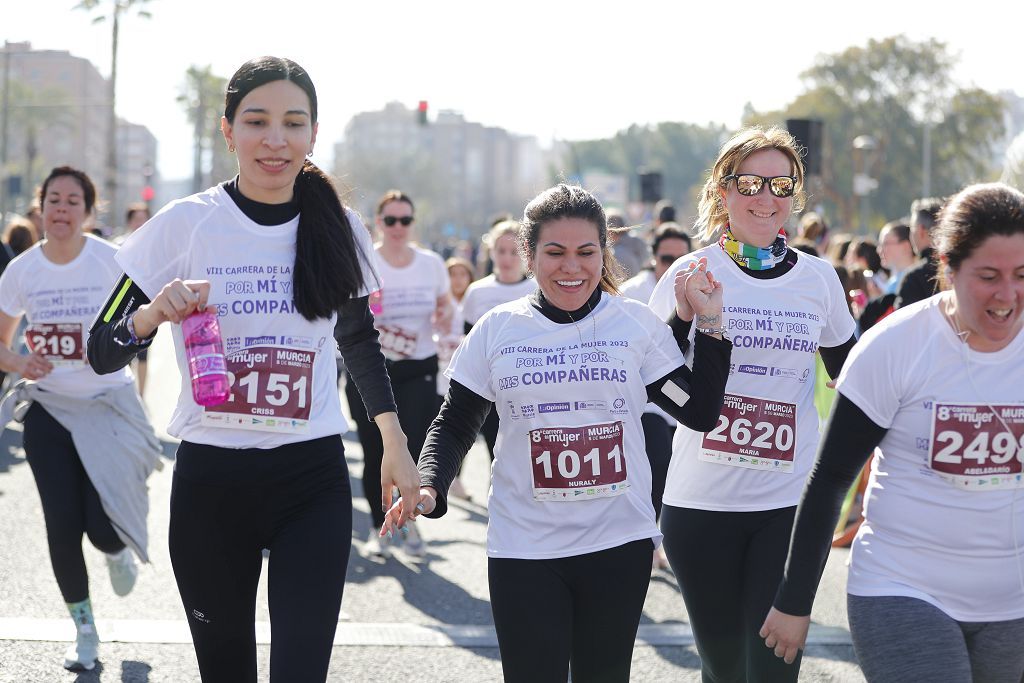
650,186
421,113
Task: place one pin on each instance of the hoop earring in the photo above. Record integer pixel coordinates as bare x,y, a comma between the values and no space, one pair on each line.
309,153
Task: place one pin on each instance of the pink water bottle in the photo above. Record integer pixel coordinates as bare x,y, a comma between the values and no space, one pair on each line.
376,302
204,350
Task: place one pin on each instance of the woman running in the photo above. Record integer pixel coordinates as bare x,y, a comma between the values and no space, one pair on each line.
274,253
936,585
570,369
731,494
411,306
87,438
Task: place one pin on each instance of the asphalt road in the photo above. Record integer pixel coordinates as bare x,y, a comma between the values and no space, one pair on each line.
431,619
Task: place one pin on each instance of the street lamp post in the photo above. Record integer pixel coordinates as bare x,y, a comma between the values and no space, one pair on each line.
864,147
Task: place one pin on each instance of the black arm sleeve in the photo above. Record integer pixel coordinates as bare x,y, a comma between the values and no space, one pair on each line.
357,339
466,327
834,356
680,330
850,437
449,438
704,386
110,347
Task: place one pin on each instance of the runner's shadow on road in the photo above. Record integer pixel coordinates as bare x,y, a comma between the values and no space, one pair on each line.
131,672
10,450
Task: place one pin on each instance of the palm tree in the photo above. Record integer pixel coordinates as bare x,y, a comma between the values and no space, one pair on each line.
116,9
200,95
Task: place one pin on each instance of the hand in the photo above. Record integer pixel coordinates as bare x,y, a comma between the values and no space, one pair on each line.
786,634
704,295
397,469
176,301
34,366
426,501
683,309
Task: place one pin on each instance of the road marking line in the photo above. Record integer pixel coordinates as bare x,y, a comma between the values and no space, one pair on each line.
348,633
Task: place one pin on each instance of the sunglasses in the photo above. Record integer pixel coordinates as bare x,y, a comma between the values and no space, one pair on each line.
667,259
391,220
748,184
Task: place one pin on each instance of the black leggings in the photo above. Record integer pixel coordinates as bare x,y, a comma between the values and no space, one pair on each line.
71,506
658,438
227,505
729,565
579,613
414,384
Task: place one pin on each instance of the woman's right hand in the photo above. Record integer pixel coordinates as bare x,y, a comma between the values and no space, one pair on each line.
683,309
704,294
34,366
175,302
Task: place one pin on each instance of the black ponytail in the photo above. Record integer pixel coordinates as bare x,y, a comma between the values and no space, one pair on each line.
327,265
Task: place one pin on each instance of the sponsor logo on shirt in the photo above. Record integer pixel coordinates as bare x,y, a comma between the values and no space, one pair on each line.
754,369
591,405
297,342
512,410
258,341
528,411
789,373
561,407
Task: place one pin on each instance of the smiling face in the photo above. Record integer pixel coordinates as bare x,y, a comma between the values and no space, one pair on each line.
989,291
567,263
272,132
756,220
64,210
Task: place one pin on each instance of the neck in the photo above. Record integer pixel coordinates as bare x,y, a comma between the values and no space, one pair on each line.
395,253
65,250
561,316
275,196
508,278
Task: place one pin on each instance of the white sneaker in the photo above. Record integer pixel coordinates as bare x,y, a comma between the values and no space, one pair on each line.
123,571
379,547
413,545
81,655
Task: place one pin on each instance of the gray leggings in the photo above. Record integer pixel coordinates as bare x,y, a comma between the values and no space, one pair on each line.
903,640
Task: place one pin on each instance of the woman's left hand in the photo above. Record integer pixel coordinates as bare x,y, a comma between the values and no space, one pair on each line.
785,634
394,518
704,295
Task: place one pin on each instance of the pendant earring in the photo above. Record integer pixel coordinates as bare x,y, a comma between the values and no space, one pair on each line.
231,148
309,153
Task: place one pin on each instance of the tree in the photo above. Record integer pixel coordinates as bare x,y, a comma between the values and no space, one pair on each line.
117,8
201,95
901,93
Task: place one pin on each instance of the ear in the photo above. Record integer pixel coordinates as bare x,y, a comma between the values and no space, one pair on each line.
227,131
312,140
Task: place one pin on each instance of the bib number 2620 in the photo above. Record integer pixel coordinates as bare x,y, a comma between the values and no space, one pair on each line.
753,433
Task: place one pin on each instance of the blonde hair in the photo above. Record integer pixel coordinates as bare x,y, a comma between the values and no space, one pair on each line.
712,215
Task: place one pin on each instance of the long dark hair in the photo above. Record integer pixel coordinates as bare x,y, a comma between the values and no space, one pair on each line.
327,269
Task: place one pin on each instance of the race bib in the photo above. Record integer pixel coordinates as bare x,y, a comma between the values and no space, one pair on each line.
578,463
60,343
977,449
754,433
396,343
271,390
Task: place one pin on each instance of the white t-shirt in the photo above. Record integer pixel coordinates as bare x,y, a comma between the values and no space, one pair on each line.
945,491
640,286
446,345
408,299
487,292
285,378
60,302
571,474
759,455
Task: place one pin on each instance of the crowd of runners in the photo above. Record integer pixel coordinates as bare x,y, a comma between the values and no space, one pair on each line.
636,418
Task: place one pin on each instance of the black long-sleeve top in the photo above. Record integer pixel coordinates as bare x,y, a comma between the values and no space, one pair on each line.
110,347
850,437
454,430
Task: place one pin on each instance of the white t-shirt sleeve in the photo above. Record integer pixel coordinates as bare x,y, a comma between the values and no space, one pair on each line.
470,365
840,325
366,254
663,355
872,376
156,253
12,302
663,298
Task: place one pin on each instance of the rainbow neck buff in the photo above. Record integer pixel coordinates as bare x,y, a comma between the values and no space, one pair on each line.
753,258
